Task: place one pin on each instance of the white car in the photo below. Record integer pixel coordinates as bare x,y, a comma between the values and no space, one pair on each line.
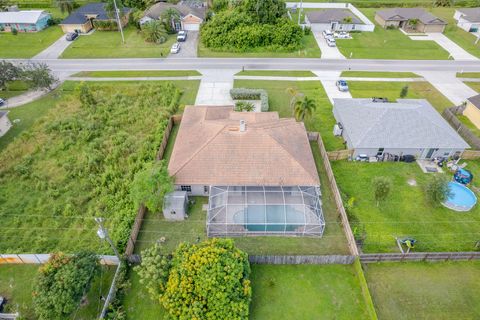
327,33
175,48
331,42
182,35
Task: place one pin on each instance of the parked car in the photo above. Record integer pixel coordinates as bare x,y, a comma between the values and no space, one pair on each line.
182,35
379,99
327,33
331,42
2,102
71,36
175,48
342,35
342,85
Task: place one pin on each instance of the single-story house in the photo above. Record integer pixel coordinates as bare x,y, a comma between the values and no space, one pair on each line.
333,19
24,21
468,19
405,127
5,123
256,168
191,17
81,20
410,18
472,110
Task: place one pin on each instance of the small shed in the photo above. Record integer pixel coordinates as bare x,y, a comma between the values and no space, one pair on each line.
175,205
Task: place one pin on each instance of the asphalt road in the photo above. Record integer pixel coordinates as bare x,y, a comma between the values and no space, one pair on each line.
67,66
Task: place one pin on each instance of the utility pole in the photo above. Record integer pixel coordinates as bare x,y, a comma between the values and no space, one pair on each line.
300,11
103,234
118,20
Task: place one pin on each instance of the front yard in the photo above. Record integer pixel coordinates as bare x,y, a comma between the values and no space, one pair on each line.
388,44
27,45
474,85
406,211
108,44
417,290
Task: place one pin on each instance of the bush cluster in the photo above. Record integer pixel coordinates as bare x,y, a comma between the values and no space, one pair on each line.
251,94
105,25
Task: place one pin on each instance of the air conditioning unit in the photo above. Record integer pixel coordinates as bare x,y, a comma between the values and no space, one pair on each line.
337,129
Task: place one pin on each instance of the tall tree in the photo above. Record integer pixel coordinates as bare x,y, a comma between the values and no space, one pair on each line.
265,11
294,94
110,8
437,189
169,18
154,31
304,108
65,5
8,72
38,76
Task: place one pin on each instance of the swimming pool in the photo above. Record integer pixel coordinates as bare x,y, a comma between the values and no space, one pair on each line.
461,199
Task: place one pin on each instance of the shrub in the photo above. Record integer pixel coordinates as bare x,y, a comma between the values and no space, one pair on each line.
404,92
251,94
307,31
437,189
61,283
382,187
241,106
392,27
105,25
14,31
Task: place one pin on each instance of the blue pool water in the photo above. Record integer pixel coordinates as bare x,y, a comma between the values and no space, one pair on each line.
461,199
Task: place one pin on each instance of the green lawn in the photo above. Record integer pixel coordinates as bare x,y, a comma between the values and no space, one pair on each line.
14,88
27,45
474,85
468,75
108,44
416,290
379,74
391,90
309,49
137,73
279,100
276,73
388,44
464,39
16,284
406,212
306,292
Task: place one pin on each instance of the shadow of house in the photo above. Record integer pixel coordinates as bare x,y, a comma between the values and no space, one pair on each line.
92,15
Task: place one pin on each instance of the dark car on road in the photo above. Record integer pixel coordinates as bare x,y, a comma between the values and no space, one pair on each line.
71,36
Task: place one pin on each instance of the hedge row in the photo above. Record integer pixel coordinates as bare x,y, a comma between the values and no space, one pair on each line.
251,94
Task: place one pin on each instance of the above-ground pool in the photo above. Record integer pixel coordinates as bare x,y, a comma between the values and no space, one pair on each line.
461,199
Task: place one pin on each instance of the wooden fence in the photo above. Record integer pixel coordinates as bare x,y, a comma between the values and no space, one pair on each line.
352,246
339,154
327,259
41,258
471,154
450,115
419,256
137,225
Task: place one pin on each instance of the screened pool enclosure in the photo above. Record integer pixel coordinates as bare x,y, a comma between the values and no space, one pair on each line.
243,210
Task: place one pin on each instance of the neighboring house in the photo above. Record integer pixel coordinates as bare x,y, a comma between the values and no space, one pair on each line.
472,110
24,21
5,124
82,19
333,19
468,19
191,17
410,18
257,169
408,126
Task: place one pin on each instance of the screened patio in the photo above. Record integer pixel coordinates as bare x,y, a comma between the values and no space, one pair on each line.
247,210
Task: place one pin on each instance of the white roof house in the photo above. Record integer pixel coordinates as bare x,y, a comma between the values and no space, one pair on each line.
409,126
26,17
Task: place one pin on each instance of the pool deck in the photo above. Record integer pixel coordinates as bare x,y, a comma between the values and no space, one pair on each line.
428,166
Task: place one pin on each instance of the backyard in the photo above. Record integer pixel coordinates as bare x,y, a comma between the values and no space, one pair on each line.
279,100
406,212
388,44
16,284
49,215
418,290
108,44
27,45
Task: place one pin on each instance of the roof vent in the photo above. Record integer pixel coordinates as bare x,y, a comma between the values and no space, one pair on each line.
243,126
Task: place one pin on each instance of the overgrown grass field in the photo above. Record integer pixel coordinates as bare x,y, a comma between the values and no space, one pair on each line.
406,212
77,162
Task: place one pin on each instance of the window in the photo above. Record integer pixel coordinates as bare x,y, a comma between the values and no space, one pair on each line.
205,189
380,152
186,188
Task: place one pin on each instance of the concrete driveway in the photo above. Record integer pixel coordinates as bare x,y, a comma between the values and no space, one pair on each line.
327,52
457,52
55,50
215,87
188,49
328,80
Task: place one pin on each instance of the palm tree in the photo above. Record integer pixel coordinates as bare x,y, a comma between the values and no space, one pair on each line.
154,31
294,94
169,17
304,108
65,5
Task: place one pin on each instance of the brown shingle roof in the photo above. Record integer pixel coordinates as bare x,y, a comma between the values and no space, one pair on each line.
210,149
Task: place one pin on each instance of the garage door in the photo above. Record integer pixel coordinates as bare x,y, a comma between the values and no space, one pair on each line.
191,26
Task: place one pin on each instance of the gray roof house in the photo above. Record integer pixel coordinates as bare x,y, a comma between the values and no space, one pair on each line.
332,19
191,16
468,19
409,126
403,17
